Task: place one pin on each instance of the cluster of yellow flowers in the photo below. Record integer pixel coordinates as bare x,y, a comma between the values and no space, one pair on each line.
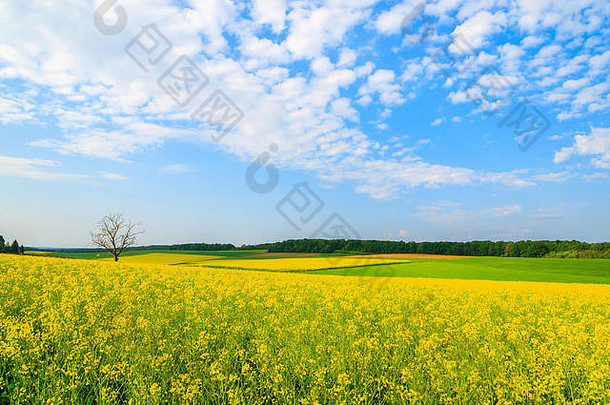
75,331
262,263
166,258
301,263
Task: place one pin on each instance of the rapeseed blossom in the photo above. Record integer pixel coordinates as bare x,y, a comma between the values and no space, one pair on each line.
75,331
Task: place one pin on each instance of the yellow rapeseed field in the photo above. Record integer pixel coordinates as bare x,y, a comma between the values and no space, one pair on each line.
76,331
301,263
165,258
36,253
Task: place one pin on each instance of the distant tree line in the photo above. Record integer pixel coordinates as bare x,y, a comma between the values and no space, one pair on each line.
204,246
186,246
527,248
208,247
13,248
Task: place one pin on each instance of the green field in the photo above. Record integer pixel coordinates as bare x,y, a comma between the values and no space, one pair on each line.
492,268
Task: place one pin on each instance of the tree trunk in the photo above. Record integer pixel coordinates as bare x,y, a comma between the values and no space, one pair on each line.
116,258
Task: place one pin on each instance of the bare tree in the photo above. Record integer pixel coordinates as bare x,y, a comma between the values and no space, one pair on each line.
115,234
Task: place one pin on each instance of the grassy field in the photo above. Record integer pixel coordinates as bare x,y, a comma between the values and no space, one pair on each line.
492,268
301,264
98,332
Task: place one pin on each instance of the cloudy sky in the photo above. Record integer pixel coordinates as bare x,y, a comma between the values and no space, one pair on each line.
231,121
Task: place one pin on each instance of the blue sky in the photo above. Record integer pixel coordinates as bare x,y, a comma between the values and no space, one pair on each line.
444,120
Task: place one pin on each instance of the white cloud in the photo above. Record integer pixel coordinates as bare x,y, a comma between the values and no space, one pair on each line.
272,12
443,212
343,108
557,177
413,71
566,17
437,122
595,177
506,210
532,41
176,168
347,57
365,69
390,21
105,106
576,84
479,27
314,29
513,179
262,52
134,137
599,62
597,144
383,83
511,58
321,66
35,169
15,108
593,97
112,176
